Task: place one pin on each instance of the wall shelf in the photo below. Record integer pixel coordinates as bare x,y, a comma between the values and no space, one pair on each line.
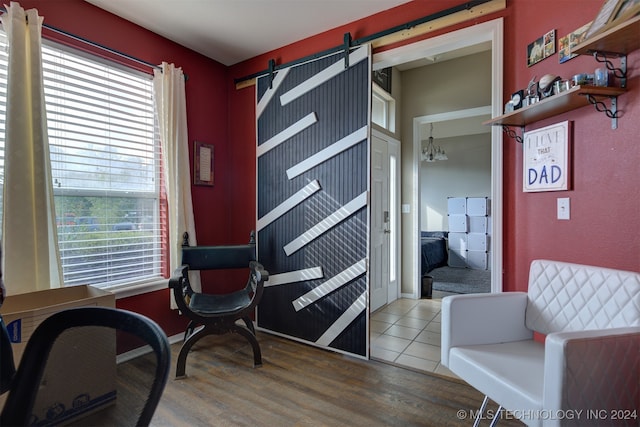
616,41
575,97
621,39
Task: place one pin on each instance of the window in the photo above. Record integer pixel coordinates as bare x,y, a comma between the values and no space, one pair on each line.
383,109
105,161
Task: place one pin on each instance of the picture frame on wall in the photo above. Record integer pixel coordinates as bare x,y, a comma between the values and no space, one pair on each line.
612,13
603,17
566,43
541,48
626,10
546,158
203,164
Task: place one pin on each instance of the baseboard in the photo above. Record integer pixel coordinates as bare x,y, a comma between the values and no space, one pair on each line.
141,351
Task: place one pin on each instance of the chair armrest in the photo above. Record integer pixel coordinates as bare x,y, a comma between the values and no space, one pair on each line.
258,275
180,279
474,319
261,274
593,370
179,282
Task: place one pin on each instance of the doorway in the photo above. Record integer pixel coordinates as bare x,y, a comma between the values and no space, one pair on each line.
407,331
455,189
460,43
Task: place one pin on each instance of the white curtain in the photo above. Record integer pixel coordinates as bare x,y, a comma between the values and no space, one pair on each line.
32,260
171,109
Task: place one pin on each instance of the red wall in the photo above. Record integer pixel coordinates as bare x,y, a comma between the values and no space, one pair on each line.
603,230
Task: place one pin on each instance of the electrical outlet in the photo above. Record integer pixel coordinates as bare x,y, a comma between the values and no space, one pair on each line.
564,208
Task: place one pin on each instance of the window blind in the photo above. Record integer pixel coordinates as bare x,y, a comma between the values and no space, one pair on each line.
105,161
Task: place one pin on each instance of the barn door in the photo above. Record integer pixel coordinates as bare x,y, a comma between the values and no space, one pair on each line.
312,210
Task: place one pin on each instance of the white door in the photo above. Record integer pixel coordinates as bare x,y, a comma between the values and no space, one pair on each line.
384,222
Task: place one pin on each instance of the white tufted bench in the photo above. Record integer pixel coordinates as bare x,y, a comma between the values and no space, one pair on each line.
587,370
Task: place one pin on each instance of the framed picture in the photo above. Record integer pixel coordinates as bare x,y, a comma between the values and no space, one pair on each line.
541,48
626,10
202,164
611,13
603,17
546,159
566,43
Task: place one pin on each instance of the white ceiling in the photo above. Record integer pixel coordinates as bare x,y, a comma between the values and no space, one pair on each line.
231,31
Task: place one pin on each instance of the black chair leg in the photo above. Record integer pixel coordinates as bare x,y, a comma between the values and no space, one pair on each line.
257,354
186,347
249,323
190,328
193,338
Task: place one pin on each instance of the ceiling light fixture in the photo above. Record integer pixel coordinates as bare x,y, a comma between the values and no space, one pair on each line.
431,153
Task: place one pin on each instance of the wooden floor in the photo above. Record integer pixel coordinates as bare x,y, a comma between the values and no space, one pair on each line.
300,385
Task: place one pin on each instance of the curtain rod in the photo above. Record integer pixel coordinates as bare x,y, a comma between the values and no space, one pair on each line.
94,44
406,26
99,46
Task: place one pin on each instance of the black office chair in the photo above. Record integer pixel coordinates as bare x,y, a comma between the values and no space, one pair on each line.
218,313
81,342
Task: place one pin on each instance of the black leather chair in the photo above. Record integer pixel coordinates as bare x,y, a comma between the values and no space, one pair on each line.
218,313
57,340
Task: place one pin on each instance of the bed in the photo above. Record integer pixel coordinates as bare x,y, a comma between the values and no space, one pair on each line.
433,249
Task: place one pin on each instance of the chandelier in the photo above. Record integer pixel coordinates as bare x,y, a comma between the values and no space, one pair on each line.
431,153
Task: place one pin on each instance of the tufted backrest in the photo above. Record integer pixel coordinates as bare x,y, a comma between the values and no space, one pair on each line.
574,297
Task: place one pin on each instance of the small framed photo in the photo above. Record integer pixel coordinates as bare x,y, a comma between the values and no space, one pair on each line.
566,43
541,48
202,164
546,159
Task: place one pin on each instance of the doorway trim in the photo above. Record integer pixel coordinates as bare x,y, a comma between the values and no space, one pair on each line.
490,31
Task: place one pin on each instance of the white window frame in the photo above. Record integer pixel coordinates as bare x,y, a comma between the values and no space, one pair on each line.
388,112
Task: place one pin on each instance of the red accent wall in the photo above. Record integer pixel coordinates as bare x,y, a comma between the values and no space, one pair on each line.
604,228
605,205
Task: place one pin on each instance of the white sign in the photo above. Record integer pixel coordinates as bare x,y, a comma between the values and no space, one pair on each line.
546,158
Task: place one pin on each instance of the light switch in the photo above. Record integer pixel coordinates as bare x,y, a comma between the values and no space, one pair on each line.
406,208
564,208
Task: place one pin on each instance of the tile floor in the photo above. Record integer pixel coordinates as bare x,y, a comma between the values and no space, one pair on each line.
407,333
